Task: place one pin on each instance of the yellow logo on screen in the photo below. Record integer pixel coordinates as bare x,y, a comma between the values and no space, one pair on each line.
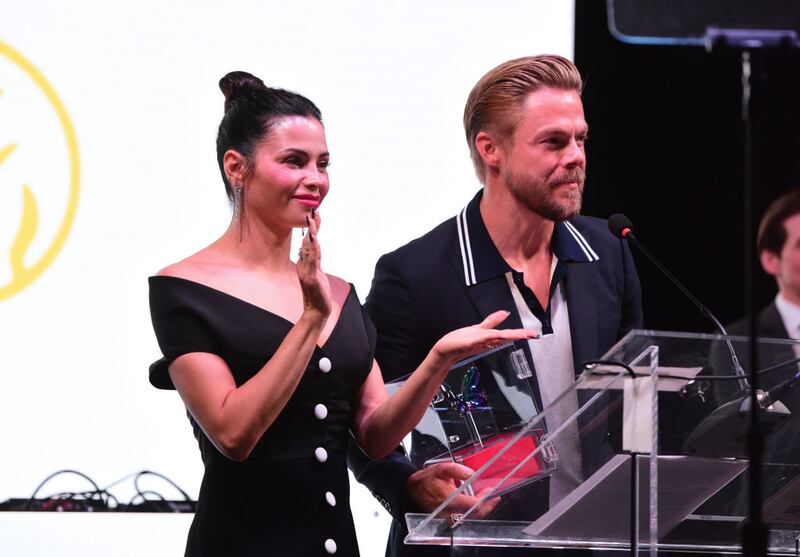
39,173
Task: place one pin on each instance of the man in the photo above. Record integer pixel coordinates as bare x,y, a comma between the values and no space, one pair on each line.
519,245
778,247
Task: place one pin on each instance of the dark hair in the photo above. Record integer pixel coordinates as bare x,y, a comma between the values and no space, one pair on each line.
771,232
250,110
494,103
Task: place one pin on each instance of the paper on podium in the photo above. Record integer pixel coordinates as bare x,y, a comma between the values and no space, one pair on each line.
637,414
670,379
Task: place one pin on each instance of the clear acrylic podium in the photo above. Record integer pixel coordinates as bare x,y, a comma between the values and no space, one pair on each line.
657,443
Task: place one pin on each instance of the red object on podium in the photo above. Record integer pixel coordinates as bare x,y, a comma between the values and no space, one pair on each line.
503,465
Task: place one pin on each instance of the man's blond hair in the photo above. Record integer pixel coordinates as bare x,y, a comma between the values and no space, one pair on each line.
495,102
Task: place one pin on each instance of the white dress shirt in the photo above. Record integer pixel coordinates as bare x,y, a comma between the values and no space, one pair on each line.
790,315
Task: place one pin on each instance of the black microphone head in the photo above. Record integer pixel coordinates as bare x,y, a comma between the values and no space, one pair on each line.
619,225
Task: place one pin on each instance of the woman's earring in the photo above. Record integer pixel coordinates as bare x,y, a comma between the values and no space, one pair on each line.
238,199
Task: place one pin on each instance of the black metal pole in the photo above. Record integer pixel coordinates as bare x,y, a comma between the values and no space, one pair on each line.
634,506
754,532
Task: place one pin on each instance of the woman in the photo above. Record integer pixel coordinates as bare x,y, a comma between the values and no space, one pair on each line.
273,359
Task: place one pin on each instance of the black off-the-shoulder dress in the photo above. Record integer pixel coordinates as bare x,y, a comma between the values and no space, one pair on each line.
291,496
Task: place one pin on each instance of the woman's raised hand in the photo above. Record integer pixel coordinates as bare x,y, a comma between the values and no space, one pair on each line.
313,281
462,343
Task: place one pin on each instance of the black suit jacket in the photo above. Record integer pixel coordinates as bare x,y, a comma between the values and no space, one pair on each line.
783,446
432,286
769,323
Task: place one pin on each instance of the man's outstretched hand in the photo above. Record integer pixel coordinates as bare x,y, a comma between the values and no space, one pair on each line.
430,486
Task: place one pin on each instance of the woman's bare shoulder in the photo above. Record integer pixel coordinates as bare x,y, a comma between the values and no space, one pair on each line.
196,267
340,288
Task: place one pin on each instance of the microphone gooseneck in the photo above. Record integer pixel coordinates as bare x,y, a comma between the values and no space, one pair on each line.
622,227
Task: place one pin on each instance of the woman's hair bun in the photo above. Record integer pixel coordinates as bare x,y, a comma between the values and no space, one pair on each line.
237,84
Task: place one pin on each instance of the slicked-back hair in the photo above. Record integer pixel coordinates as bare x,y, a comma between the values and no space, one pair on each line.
771,231
494,104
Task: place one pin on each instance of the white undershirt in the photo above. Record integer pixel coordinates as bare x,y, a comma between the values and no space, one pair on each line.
555,372
790,315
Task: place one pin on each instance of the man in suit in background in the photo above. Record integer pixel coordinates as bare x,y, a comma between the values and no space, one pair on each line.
519,245
778,247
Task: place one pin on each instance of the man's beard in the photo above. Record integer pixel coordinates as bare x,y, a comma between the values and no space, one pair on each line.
537,194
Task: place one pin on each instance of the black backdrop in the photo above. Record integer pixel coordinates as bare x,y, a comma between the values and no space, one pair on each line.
666,148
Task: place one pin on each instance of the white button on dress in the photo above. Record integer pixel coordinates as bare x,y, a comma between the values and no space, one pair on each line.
330,498
321,454
330,546
320,411
324,365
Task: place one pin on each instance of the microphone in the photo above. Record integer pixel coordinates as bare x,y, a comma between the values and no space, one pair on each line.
622,227
721,433
775,394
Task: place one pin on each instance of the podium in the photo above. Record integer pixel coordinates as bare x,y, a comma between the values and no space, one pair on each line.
642,453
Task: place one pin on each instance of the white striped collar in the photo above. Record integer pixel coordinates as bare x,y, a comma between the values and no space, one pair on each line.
481,260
